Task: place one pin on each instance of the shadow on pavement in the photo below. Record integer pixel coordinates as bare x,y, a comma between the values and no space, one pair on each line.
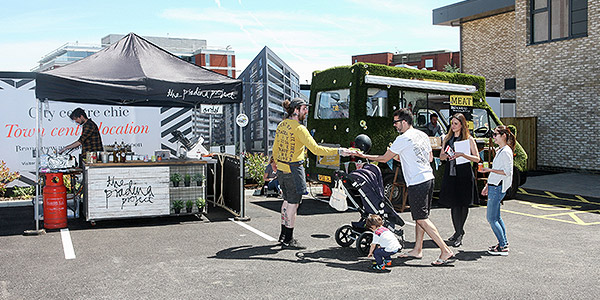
16,220
334,257
470,255
308,207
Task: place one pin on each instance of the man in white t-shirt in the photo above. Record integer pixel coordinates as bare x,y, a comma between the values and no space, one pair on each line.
415,153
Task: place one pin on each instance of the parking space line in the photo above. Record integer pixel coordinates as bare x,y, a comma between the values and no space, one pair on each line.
254,230
552,217
582,199
67,244
579,198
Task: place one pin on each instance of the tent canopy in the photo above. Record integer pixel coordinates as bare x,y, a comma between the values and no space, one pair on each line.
136,72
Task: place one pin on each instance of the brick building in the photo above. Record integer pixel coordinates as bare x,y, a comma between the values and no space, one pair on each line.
544,55
430,60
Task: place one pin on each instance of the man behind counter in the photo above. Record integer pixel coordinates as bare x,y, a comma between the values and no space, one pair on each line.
90,139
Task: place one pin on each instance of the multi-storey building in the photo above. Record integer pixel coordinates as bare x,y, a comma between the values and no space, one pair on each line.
544,55
268,81
64,55
429,60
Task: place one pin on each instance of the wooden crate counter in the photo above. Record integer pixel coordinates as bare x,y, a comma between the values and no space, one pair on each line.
140,189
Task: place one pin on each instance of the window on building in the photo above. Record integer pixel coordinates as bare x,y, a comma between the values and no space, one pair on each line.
207,59
510,83
429,63
558,19
229,60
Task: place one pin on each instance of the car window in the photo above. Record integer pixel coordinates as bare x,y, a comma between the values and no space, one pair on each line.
333,104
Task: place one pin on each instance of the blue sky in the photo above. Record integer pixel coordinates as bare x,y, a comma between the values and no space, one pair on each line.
308,35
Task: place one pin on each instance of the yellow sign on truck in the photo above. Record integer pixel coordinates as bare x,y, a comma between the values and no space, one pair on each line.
460,100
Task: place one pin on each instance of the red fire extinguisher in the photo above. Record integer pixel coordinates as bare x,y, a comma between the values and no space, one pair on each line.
55,202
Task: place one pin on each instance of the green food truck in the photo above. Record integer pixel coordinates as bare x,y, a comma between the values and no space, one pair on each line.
360,99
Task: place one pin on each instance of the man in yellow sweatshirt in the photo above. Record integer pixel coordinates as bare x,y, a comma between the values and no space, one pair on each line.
291,140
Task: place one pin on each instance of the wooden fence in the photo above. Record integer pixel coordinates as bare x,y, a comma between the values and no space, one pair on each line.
527,137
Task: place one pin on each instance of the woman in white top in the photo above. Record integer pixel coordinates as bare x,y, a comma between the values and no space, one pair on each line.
499,181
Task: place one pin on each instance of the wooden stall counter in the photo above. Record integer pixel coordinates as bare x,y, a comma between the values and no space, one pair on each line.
144,189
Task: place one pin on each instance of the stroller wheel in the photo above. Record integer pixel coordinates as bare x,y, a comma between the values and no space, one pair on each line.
344,236
363,243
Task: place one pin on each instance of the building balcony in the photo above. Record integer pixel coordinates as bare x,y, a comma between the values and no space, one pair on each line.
276,88
275,66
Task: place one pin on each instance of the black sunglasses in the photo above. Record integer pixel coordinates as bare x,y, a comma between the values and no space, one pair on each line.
396,121
495,133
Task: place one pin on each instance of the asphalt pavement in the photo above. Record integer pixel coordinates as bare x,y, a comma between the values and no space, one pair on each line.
553,238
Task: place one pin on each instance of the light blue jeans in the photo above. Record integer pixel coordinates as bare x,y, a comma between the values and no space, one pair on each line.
495,195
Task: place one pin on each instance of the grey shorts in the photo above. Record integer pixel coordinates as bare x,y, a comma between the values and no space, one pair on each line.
419,199
288,188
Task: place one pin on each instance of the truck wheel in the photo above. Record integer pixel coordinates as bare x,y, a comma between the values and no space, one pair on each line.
511,193
388,182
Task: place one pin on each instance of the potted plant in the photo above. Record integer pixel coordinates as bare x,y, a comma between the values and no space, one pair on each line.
200,204
188,206
199,178
177,206
187,179
175,178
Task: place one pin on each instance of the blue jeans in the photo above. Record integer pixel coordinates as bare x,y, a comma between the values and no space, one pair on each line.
495,195
273,185
380,254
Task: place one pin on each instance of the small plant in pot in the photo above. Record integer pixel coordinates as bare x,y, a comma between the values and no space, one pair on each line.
177,206
187,178
175,178
188,206
200,204
198,178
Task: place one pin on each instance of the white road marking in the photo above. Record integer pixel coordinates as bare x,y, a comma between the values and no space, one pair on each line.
256,231
4,290
67,243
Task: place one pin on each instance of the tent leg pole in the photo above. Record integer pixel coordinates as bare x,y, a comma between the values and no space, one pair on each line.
36,208
242,216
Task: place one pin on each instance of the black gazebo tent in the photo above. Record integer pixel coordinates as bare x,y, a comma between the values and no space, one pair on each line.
136,72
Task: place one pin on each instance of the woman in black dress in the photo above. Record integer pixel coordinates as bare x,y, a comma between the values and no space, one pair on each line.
458,185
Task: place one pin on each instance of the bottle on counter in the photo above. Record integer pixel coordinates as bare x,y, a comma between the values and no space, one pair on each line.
115,153
123,152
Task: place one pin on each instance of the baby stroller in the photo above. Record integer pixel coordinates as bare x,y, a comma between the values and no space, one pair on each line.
364,188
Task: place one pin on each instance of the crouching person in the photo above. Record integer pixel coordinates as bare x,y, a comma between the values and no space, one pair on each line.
384,243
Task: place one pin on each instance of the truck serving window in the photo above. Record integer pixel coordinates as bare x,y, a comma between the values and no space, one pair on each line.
333,104
377,100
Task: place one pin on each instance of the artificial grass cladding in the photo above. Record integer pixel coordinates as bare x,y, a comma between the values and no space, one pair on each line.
380,129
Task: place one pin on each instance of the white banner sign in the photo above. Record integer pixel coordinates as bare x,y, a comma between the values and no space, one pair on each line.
138,126
211,109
